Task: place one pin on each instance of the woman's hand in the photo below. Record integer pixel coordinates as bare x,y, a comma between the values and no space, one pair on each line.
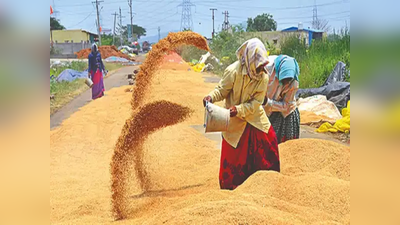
233,111
207,99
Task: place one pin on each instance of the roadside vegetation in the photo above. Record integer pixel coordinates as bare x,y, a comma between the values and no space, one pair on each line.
63,92
316,61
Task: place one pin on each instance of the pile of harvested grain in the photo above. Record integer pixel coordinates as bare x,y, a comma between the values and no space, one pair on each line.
312,188
105,51
155,58
173,57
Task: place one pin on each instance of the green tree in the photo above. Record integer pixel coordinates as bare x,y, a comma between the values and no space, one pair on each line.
107,39
138,30
55,24
263,22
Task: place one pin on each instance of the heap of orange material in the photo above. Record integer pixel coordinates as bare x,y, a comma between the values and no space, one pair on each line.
144,121
105,51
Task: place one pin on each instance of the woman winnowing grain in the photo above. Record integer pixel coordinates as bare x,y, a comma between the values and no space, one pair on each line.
250,143
280,104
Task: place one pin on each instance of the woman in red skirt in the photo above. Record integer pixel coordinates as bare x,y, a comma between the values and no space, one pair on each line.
250,144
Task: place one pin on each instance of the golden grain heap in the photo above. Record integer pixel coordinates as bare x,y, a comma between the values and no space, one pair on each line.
145,120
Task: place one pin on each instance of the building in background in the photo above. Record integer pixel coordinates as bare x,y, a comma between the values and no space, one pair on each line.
67,42
275,38
73,36
308,35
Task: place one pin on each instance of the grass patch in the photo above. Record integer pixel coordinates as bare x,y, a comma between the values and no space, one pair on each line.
112,66
317,61
65,91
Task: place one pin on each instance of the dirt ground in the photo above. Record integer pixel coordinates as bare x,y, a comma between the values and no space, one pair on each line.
183,165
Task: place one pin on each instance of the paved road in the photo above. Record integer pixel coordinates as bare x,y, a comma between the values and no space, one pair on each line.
117,79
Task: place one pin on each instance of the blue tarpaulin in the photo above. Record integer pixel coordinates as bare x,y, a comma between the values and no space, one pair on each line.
115,59
70,75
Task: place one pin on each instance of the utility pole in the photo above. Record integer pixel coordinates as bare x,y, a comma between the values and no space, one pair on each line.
225,25
130,7
159,36
120,25
213,32
98,19
115,21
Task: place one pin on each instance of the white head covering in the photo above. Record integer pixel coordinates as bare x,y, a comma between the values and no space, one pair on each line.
94,48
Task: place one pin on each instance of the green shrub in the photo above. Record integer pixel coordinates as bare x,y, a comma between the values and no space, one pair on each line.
317,61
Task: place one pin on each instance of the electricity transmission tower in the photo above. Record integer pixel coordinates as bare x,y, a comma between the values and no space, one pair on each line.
315,15
186,19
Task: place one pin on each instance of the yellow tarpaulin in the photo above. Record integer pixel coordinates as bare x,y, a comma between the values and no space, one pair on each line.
198,67
341,125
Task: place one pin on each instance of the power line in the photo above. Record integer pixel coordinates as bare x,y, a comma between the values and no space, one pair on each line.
83,19
270,8
286,18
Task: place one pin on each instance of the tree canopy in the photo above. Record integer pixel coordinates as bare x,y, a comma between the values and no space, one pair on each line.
55,24
138,30
263,22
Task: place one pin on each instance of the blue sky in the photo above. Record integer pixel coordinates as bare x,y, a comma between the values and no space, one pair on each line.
81,14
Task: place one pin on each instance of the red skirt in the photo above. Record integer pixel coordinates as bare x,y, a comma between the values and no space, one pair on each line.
256,151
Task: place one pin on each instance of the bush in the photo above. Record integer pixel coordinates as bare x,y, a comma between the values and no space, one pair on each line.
189,53
318,61
225,44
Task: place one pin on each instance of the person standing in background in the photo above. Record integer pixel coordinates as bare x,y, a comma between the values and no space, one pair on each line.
280,103
95,72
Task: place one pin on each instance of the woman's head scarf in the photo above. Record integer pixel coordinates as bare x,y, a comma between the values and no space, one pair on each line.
94,48
253,54
286,67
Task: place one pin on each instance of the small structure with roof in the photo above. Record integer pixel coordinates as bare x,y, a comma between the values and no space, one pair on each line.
306,34
73,36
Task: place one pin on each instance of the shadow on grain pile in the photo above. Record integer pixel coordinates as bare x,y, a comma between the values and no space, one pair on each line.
145,120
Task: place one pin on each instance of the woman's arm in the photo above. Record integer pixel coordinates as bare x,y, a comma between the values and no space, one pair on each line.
101,63
89,65
287,101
